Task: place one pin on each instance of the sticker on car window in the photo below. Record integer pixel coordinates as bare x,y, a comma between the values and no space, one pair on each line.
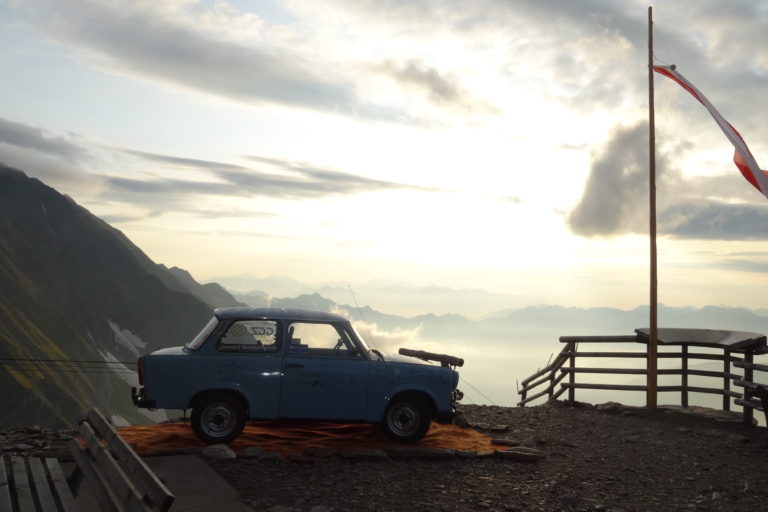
250,336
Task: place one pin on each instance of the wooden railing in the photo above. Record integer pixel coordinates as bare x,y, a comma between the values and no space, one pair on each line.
755,393
551,381
549,374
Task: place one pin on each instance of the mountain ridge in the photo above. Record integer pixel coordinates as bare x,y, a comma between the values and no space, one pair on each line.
64,276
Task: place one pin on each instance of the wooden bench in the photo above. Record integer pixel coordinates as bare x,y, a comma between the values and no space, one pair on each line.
33,484
117,476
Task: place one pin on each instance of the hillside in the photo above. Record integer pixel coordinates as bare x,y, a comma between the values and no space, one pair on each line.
72,288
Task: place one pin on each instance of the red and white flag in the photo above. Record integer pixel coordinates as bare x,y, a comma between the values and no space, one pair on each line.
741,156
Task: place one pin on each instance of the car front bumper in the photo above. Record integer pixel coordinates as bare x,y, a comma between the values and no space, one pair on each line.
140,400
447,416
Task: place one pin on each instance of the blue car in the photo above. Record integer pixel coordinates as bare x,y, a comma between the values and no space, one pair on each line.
271,363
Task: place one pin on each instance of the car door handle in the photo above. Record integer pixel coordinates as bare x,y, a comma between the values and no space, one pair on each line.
294,365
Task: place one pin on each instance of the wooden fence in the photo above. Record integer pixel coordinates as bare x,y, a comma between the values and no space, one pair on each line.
563,373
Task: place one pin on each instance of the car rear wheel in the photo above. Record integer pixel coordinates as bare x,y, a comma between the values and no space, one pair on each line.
218,418
407,419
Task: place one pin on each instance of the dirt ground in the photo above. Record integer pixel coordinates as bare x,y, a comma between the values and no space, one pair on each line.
593,458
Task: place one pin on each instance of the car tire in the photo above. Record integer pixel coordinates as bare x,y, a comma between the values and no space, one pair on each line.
407,420
218,418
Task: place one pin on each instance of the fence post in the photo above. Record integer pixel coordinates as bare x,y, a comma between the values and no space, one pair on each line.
551,384
727,381
684,377
572,376
748,412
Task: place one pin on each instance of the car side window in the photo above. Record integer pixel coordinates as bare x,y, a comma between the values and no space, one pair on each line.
320,339
250,336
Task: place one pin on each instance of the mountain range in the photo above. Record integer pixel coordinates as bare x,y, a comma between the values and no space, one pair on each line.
75,293
79,302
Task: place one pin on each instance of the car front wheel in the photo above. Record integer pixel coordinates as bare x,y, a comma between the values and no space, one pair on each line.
407,419
218,418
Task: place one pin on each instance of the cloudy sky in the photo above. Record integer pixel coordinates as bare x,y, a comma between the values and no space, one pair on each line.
490,144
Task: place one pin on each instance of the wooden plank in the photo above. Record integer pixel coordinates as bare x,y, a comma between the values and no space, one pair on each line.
619,355
133,466
99,488
692,355
573,347
747,413
612,387
598,339
113,475
558,393
5,494
537,395
561,358
684,377
59,485
21,484
627,371
41,485
754,366
763,394
752,403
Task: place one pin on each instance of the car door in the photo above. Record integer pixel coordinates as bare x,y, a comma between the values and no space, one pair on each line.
249,358
324,375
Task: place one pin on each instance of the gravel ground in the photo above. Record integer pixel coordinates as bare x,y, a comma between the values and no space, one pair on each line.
606,457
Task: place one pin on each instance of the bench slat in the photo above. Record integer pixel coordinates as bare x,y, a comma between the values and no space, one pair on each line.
100,490
21,484
121,485
5,494
59,485
40,482
131,463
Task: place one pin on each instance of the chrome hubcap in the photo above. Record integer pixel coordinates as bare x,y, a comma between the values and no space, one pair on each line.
218,420
403,420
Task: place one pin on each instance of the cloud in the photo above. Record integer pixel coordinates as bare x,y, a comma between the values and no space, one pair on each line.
143,38
284,180
58,161
54,159
715,221
382,339
758,267
615,198
440,89
30,137
181,161
615,194
330,180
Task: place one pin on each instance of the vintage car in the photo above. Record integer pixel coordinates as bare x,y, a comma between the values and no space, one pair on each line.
271,363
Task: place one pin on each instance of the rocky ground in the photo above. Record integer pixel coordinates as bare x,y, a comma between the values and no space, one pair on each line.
35,442
567,457
606,457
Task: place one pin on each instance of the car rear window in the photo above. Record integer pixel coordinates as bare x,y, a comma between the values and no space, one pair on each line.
198,340
250,336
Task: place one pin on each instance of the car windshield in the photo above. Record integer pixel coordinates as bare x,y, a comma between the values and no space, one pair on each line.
198,341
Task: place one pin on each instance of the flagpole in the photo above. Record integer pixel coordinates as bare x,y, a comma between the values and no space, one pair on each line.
653,341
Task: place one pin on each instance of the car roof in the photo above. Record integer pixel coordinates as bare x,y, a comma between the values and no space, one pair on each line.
277,314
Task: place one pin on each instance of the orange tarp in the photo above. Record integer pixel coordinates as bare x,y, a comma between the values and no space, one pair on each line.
286,438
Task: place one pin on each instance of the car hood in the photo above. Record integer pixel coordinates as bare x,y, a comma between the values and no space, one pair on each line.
170,351
398,358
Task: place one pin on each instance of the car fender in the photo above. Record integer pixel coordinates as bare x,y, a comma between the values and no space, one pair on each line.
377,406
239,391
